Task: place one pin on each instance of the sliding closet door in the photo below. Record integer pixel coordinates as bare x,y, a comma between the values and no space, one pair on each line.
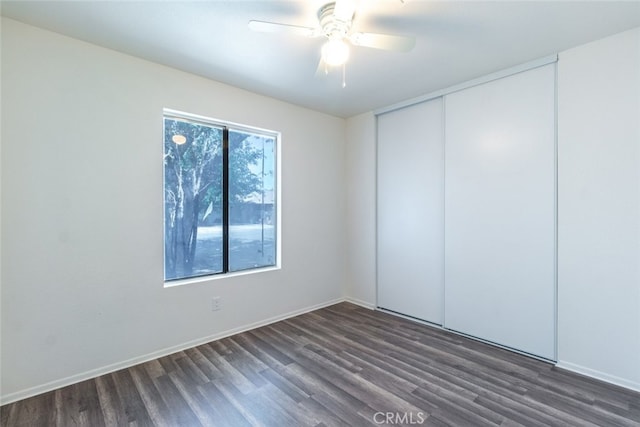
411,211
500,211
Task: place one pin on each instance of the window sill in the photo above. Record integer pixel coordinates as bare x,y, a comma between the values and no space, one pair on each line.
212,277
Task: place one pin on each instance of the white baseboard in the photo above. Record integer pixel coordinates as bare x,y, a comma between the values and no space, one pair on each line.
361,303
612,379
93,373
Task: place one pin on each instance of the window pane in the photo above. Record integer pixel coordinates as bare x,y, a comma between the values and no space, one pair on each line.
251,200
192,199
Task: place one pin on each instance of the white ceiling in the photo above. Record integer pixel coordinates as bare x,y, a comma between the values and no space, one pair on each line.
456,41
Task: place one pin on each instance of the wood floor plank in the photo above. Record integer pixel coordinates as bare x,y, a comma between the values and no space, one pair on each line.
254,407
342,365
131,402
340,403
158,410
516,416
586,412
286,386
329,418
229,414
154,368
246,363
274,397
203,364
263,350
7,414
232,373
180,412
167,363
191,370
190,392
83,404
112,409
37,411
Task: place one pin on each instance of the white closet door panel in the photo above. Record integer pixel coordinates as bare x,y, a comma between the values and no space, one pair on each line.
500,211
411,211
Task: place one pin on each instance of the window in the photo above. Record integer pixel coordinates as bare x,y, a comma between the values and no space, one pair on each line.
219,197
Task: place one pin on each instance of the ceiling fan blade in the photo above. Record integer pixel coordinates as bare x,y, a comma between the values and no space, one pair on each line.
272,27
383,41
323,68
344,9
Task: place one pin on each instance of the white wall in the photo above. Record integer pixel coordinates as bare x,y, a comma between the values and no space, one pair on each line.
361,209
82,259
599,208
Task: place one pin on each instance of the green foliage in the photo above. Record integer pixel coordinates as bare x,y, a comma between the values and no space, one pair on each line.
193,185
242,182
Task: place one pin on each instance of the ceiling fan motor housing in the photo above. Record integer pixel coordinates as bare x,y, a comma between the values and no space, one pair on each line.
332,27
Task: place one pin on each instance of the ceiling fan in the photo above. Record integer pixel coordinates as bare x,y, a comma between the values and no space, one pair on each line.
335,24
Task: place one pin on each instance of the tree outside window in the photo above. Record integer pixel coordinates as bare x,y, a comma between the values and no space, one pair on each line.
212,226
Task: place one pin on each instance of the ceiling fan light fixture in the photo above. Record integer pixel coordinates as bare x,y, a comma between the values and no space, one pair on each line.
335,52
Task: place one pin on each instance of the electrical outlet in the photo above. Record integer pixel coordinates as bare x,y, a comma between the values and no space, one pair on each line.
215,304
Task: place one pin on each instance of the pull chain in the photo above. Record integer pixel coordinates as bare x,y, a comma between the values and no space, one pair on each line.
344,75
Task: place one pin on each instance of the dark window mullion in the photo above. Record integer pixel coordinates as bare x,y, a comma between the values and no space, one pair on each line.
225,200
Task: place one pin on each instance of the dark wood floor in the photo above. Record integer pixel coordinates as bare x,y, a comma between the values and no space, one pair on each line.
339,366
